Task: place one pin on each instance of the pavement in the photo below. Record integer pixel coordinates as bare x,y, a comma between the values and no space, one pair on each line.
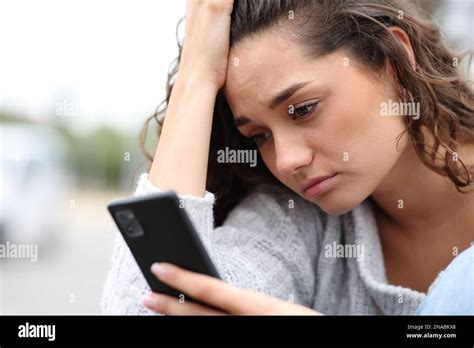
70,272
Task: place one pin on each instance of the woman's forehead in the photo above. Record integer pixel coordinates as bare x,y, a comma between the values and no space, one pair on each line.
258,70
262,66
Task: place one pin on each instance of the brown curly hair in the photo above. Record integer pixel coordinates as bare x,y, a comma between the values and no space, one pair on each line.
361,28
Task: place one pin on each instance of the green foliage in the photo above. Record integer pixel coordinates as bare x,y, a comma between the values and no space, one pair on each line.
103,157
98,156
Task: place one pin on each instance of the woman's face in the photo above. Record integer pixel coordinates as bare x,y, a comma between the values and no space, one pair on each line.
331,125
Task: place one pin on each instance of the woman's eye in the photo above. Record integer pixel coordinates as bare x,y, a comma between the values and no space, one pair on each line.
300,111
259,138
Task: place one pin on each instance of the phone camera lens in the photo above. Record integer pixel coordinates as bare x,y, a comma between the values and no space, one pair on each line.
129,223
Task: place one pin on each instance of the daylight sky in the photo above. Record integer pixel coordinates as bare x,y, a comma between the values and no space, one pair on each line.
105,61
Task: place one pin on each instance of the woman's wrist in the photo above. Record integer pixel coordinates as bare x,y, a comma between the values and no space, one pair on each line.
194,81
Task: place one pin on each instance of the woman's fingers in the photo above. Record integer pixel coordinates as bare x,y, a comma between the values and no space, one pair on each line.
169,305
213,291
219,294
206,40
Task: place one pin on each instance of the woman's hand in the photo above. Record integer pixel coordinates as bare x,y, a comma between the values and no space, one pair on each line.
223,297
206,40
188,123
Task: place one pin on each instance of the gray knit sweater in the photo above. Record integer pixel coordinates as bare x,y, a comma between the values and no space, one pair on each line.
280,244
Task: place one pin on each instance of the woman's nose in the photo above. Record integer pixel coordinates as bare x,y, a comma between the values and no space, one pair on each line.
290,154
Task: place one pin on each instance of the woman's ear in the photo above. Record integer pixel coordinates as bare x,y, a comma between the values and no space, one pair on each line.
403,38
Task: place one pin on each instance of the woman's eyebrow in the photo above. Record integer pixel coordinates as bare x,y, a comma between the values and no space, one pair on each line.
240,121
285,94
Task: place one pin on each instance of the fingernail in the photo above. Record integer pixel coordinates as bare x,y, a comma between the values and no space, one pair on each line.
149,300
158,269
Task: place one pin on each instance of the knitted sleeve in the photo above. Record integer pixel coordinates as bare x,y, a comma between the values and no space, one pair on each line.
259,246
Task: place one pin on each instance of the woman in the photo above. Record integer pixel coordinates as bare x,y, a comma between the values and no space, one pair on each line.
362,193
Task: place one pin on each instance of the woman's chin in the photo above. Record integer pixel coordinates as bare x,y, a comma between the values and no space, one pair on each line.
337,203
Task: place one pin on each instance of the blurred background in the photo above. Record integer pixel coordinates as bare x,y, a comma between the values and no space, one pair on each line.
77,81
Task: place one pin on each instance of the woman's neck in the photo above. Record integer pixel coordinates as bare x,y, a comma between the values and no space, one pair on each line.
414,198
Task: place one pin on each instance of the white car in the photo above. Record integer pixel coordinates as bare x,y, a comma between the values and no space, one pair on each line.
32,183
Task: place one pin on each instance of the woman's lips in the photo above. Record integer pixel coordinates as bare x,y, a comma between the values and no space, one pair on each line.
314,187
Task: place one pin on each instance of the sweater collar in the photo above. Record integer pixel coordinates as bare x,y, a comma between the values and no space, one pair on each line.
391,299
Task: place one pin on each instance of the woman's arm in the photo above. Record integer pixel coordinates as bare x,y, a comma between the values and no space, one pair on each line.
181,157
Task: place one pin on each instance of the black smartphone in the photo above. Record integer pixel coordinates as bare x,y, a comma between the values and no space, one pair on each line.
157,229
